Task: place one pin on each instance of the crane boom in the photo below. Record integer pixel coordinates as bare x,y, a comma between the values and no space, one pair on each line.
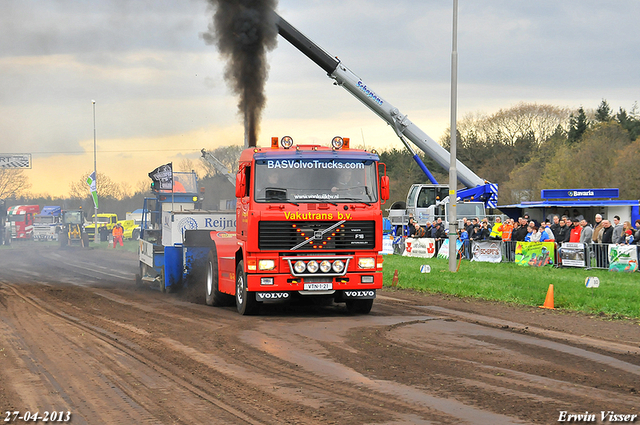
222,169
400,123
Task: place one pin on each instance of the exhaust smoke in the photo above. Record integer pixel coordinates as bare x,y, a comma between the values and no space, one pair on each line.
244,31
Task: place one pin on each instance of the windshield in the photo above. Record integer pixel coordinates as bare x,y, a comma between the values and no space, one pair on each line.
73,217
17,218
429,195
104,219
183,182
46,219
469,209
315,180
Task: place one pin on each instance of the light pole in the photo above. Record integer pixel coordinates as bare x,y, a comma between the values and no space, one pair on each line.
453,177
95,173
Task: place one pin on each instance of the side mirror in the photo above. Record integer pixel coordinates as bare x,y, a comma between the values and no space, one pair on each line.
384,187
241,184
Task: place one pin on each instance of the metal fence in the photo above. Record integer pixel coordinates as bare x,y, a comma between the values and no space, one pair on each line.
596,255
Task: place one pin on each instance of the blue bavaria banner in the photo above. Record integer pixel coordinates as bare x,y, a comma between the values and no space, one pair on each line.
579,193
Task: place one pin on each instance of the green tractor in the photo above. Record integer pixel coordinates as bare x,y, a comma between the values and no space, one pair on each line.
72,232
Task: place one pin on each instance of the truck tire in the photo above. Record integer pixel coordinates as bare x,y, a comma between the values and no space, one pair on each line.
213,296
245,301
140,274
163,288
359,306
135,235
63,238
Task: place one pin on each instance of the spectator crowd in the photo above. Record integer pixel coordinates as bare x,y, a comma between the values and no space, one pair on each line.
558,229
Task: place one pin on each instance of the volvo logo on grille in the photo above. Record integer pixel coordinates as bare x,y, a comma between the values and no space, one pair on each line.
317,235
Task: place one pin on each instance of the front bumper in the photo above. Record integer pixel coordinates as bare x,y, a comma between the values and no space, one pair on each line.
287,282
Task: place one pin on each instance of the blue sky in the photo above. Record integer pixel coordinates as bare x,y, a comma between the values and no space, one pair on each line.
160,95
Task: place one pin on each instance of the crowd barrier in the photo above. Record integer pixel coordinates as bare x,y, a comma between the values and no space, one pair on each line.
587,256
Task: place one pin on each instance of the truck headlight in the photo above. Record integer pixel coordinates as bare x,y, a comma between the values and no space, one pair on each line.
266,265
338,266
312,266
299,266
325,266
367,263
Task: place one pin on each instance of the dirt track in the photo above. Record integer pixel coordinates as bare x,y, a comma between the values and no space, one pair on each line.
76,335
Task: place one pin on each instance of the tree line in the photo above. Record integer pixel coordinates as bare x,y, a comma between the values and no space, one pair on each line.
530,147
525,148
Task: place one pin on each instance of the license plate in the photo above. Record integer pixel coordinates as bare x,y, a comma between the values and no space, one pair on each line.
317,286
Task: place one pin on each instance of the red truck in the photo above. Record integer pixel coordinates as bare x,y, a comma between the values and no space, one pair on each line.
20,221
309,224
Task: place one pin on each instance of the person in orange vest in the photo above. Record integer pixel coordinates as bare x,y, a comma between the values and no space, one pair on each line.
117,234
506,229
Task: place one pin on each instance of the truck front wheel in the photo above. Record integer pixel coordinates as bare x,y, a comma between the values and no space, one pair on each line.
359,306
245,301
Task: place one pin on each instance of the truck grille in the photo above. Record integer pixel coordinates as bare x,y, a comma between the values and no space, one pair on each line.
284,235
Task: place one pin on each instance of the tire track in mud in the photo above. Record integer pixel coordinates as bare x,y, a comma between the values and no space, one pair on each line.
536,376
276,377
313,389
385,398
318,388
118,361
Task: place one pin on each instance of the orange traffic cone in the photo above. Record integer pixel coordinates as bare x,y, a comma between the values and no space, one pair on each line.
548,301
394,282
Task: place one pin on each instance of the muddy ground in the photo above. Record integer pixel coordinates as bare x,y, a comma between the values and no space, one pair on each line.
76,335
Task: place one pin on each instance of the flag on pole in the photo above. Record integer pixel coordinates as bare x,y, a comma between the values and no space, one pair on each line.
162,177
91,181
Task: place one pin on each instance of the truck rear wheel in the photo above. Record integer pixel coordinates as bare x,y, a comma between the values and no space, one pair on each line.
63,238
245,301
359,306
163,288
213,296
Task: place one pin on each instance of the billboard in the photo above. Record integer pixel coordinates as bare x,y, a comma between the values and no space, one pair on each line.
15,160
535,254
579,193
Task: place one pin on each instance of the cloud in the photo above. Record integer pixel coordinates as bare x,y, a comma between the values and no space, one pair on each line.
157,83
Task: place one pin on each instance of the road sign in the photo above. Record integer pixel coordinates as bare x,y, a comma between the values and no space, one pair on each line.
592,282
15,160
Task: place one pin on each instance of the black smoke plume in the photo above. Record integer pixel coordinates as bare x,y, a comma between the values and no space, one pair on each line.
244,31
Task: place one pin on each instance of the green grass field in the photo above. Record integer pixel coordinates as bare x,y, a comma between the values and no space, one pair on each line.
617,297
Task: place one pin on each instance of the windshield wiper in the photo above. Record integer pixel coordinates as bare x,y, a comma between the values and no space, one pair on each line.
325,201
355,199
284,201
